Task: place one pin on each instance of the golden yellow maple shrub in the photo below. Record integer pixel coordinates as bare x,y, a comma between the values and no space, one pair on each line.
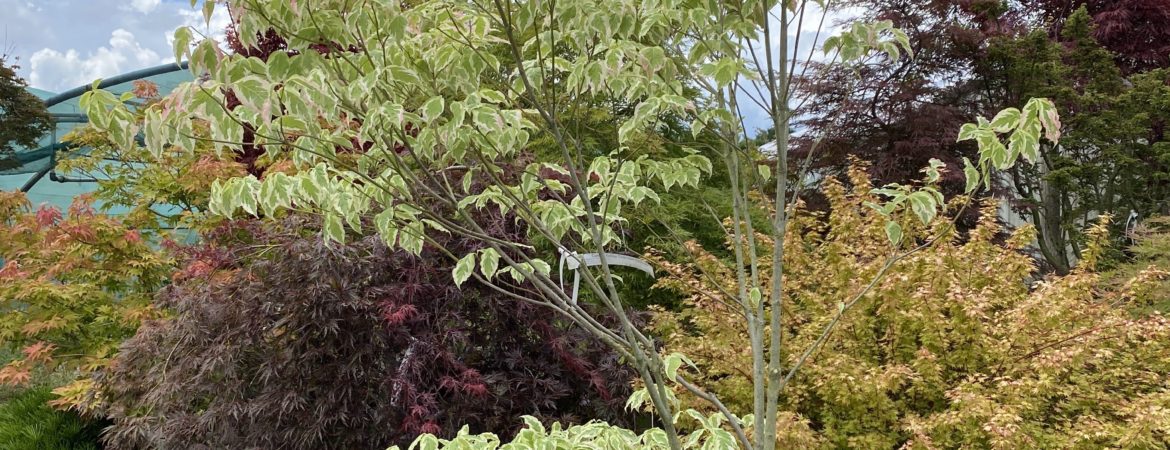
961,345
73,285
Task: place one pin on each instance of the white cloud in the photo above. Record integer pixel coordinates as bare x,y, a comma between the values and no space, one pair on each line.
144,6
73,43
55,70
76,41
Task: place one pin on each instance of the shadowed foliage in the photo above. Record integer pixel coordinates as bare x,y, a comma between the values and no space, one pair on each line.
1136,31
27,422
280,340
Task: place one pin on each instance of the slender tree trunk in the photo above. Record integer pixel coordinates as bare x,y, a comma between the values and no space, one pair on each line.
1048,219
780,120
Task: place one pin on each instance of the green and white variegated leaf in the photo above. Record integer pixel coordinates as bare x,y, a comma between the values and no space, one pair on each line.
595,434
862,38
673,362
489,262
1025,129
412,100
464,269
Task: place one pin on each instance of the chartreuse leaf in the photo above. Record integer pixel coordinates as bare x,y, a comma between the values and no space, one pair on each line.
333,228
697,127
638,399
924,206
433,108
384,224
967,132
972,176
725,71
208,10
539,266
410,238
765,172
1039,115
489,262
1045,111
464,268
894,232
1025,143
533,424
182,42
933,170
674,361
755,297
425,442
205,57
1006,120
862,37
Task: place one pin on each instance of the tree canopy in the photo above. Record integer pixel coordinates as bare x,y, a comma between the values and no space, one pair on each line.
23,117
975,58
418,219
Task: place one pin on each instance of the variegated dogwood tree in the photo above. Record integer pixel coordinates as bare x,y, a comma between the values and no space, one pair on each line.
402,119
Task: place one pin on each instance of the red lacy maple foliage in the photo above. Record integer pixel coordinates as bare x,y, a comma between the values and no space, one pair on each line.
897,115
1137,31
289,341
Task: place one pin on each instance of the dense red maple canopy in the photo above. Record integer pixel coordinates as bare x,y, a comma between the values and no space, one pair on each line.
1138,31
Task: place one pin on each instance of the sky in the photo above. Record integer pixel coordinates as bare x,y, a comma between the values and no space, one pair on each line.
810,42
62,44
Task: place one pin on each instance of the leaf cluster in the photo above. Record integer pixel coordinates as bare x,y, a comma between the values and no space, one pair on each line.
279,339
159,189
27,422
1149,251
23,117
1134,31
1113,155
960,345
72,286
592,435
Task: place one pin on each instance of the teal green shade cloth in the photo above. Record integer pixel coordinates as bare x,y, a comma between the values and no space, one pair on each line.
34,171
